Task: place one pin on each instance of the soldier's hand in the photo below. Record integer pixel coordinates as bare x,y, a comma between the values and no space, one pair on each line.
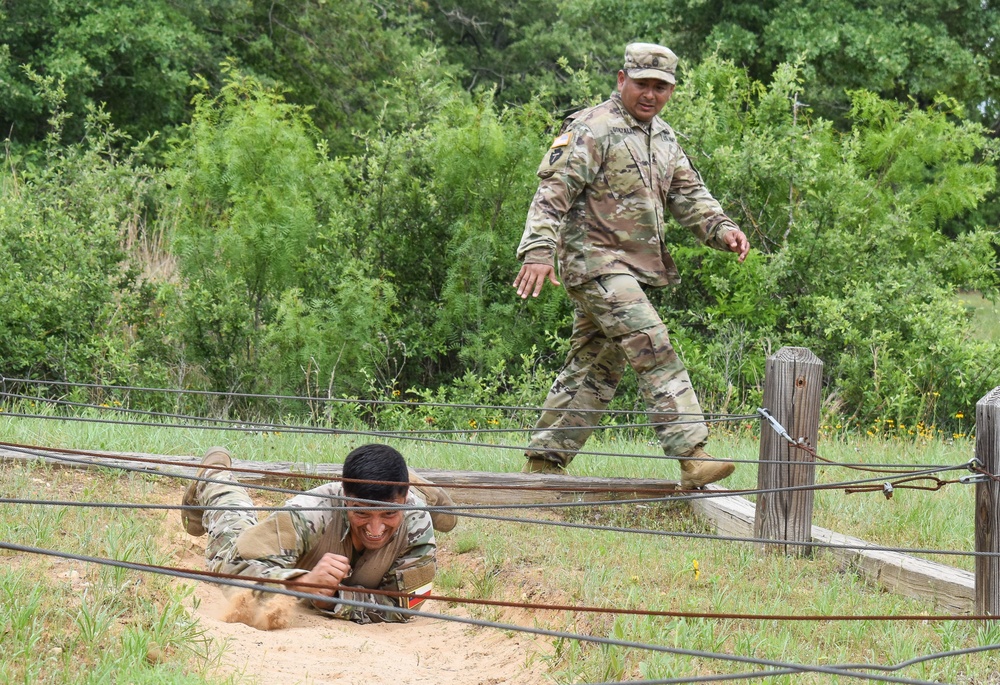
531,278
330,570
738,243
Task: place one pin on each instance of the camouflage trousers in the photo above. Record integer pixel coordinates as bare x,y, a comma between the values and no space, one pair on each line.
616,324
224,526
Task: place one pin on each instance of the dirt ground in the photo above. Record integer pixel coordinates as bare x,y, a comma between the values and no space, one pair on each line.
313,649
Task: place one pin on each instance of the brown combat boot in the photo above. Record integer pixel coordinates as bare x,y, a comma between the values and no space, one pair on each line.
540,465
703,469
215,458
435,497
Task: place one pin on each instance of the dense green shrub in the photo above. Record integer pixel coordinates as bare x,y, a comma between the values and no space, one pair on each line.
75,303
273,298
855,265
379,264
437,212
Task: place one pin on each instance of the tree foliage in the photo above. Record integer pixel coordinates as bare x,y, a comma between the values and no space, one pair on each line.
898,50
327,196
136,57
140,58
76,304
251,184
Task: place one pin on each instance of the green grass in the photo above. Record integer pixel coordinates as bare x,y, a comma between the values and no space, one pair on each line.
984,314
67,621
504,560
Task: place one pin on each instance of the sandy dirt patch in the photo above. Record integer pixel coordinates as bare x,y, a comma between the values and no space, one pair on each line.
313,649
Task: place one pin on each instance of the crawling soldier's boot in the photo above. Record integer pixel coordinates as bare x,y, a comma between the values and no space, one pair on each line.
702,469
215,458
443,521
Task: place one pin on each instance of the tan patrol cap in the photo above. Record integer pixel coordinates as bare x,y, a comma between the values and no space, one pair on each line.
648,60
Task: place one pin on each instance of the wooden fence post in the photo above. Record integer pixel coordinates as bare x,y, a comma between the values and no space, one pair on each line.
792,395
987,501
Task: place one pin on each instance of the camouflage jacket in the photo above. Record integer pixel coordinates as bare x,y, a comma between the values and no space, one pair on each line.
600,202
289,543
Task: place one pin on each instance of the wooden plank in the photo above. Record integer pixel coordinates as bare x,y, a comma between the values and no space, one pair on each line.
988,504
501,488
793,380
952,590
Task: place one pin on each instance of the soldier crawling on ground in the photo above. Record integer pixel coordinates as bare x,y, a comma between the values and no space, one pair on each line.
604,185
363,547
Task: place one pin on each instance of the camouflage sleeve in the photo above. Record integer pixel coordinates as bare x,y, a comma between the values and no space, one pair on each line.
570,164
412,572
272,547
693,206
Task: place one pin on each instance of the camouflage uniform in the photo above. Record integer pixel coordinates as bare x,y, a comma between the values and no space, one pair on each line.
599,209
287,544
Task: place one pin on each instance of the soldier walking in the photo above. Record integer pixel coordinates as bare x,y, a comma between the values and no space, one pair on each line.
599,209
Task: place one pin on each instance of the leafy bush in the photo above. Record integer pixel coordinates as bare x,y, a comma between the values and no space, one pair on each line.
855,265
274,299
75,303
437,212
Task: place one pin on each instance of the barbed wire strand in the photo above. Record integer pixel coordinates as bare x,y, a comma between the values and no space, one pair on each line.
398,435
582,608
258,427
896,667
464,510
460,509
762,413
868,547
346,400
686,496
878,484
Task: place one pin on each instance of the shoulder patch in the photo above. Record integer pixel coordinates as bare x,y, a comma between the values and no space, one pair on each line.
562,140
418,596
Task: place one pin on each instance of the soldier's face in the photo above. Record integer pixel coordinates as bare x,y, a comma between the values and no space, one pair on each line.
645,97
371,527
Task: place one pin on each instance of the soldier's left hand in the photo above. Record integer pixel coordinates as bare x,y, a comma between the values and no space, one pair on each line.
737,242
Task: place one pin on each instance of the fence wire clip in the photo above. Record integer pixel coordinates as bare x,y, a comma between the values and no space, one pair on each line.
975,477
778,428
887,490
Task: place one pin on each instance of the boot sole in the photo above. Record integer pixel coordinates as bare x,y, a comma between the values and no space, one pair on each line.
192,518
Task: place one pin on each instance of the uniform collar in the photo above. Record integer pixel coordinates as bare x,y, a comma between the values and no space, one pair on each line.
657,125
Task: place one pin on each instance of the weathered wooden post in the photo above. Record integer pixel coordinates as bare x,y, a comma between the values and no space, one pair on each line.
988,504
792,384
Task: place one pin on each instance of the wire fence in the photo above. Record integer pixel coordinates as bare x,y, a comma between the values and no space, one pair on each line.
906,475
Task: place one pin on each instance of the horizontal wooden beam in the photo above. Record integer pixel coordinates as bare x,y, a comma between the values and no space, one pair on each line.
952,590
499,488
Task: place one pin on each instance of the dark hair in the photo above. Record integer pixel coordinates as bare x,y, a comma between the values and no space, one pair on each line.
376,462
